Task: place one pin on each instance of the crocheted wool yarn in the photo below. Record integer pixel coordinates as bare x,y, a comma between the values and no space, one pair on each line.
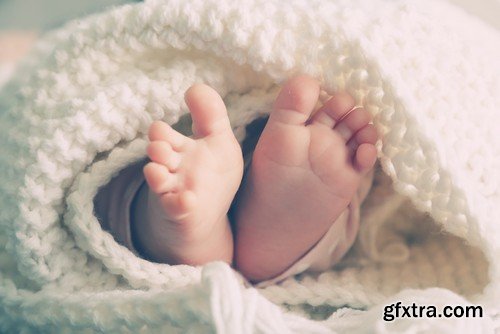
78,109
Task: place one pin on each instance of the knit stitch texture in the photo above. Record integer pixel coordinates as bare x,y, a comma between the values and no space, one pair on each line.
78,110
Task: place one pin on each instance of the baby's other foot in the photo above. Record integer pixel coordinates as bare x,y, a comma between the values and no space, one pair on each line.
305,171
181,215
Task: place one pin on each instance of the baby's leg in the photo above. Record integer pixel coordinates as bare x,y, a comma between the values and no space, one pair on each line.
181,214
304,173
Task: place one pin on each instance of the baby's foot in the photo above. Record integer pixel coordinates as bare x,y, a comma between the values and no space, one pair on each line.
181,218
305,171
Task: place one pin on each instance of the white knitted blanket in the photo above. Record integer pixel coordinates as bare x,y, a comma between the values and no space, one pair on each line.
78,111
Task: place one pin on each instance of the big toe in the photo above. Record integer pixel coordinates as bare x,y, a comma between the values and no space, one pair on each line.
296,100
207,110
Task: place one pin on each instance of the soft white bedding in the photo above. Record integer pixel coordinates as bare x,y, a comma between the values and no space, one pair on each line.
78,110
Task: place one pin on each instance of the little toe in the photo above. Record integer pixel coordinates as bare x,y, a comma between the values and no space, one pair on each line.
366,135
160,130
296,100
161,152
207,110
159,178
365,157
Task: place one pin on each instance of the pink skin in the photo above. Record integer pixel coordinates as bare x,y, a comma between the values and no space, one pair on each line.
304,173
192,181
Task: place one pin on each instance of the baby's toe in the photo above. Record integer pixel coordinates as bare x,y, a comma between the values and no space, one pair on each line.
159,178
334,110
365,157
161,131
161,152
207,110
296,101
353,122
368,134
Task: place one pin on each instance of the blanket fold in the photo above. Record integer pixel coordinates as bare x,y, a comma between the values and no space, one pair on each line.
78,109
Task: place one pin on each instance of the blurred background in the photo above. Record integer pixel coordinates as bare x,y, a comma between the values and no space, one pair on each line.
47,14
21,21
